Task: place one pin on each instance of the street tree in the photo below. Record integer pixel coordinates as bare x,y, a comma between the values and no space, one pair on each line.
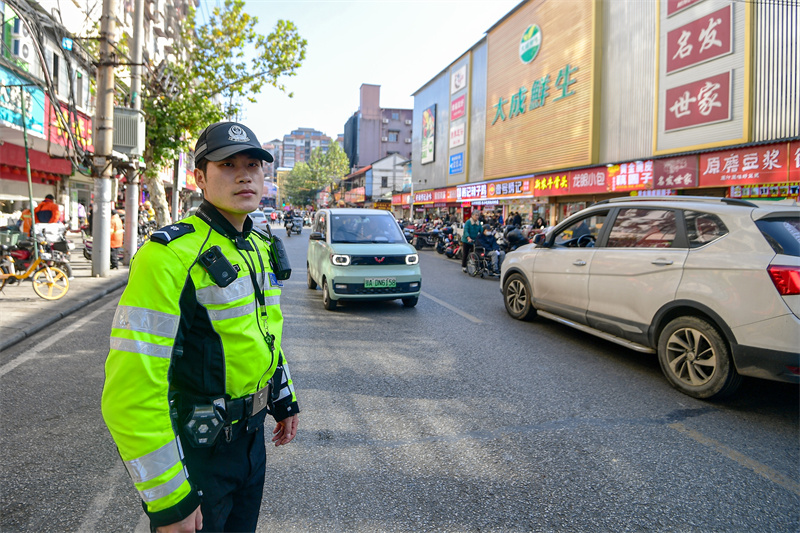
216,67
321,170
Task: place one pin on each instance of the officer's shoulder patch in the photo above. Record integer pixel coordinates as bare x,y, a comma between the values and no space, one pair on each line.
169,233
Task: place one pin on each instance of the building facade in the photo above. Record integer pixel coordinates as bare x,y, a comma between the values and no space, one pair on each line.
564,104
372,132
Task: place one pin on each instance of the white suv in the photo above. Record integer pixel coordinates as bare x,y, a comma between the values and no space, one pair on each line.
710,284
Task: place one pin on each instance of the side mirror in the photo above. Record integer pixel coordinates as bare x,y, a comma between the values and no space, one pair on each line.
316,236
539,239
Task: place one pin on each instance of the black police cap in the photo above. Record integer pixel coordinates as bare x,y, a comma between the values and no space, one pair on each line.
222,140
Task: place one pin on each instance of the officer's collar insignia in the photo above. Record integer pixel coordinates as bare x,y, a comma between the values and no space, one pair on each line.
237,134
167,234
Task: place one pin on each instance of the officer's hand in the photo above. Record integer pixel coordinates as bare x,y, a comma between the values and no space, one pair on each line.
284,431
190,524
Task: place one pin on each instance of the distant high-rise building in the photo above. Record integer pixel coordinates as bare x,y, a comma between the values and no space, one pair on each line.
298,145
373,132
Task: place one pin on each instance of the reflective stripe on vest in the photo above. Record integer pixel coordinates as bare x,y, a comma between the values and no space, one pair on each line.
159,491
154,464
146,321
142,347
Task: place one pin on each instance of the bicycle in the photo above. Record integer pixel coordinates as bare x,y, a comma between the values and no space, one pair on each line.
49,282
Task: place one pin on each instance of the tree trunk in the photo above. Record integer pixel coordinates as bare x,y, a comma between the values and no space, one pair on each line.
158,198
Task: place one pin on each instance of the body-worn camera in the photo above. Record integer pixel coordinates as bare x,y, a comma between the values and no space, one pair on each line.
205,423
279,259
218,266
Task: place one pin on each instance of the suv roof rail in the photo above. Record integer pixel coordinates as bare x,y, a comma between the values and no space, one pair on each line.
730,201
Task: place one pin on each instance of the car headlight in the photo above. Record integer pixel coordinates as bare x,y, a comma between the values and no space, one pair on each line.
412,259
340,260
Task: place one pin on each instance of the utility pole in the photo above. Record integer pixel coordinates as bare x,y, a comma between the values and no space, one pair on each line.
104,143
132,192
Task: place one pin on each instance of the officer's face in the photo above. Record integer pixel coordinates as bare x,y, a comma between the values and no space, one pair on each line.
233,186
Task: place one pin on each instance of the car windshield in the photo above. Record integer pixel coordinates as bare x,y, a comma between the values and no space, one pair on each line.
365,229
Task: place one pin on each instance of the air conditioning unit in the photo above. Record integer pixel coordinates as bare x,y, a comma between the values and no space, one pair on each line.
408,141
128,131
21,41
385,121
408,122
384,139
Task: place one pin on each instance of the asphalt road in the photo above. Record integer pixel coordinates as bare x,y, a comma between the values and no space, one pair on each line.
449,416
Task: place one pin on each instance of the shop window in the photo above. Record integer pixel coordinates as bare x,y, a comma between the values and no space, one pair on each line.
643,228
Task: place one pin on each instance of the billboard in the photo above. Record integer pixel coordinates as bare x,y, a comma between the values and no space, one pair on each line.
428,134
541,81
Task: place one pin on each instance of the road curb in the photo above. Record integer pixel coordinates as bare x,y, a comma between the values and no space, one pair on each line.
39,326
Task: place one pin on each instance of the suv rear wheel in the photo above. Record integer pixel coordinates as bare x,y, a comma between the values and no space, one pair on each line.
696,359
517,297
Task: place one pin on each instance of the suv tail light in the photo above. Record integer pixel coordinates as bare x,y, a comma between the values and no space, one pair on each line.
785,278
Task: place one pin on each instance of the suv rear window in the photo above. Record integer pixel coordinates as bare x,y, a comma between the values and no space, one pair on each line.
782,233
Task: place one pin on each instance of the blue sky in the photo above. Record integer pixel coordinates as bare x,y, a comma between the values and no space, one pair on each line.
399,45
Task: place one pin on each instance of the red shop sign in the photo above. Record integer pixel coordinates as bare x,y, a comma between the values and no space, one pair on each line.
675,172
634,176
794,161
700,102
458,107
706,38
757,164
588,181
674,6
551,185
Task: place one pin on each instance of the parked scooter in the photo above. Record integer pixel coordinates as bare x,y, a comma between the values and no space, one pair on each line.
23,255
513,238
445,237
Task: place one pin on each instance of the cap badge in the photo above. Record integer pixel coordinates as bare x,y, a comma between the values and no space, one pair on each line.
237,134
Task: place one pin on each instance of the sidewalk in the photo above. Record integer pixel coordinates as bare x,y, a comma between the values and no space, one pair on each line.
23,313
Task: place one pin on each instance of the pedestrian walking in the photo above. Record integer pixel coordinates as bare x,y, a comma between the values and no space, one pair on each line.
196,358
117,234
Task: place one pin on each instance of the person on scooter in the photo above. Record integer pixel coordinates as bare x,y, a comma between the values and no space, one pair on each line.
472,228
488,242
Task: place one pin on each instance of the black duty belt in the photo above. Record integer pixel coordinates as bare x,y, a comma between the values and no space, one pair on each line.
247,406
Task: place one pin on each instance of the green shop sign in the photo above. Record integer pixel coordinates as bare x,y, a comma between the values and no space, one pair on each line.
530,44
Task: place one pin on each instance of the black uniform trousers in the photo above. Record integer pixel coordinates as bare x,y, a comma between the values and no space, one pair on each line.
231,476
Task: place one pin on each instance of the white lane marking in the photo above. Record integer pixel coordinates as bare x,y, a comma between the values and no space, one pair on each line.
40,348
454,309
759,468
102,499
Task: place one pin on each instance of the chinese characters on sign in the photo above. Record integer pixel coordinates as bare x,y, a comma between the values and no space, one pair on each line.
510,188
423,197
758,164
458,107
457,163
518,102
457,134
699,102
471,192
676,173
706,38
551,185
635,176
674,6
794,161
81,128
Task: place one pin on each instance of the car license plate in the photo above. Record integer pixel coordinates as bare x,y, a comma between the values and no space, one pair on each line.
374,283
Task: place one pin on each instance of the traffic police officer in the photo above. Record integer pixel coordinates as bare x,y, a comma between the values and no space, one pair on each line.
196,359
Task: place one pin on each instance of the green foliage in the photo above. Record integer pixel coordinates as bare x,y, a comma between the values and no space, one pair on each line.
211,76
322,169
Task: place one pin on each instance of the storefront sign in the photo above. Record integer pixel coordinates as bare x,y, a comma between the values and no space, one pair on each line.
458,134
701,40
789,190
428,134
458,107
675,6
635,176
794,161
551,185
458,79
423,197
588,181
539,93
754,165
471,192
675,173
700,102
81,128
508,189
10,100
457,163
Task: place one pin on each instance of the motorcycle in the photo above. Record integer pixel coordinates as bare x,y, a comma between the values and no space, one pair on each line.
425,236
453,249
445,237
294,225
52,254
87,248
513,238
